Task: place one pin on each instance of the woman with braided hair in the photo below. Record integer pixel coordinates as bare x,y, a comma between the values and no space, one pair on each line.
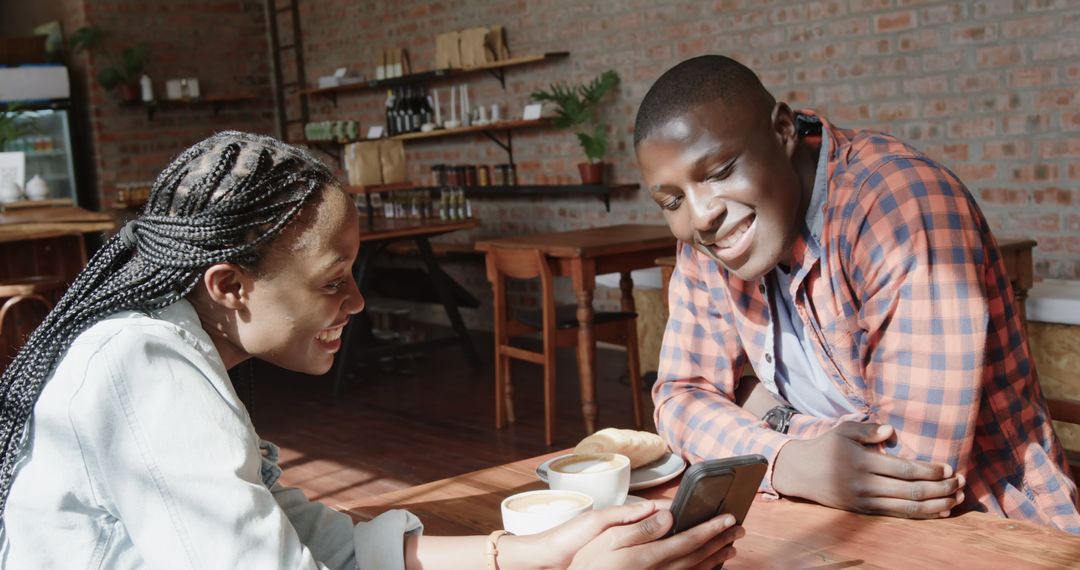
123,444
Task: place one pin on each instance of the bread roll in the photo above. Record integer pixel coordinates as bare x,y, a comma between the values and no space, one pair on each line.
641,447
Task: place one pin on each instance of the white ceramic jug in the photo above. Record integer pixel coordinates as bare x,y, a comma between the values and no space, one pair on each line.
37,188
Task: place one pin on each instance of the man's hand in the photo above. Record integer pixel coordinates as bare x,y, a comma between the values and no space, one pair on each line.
843,468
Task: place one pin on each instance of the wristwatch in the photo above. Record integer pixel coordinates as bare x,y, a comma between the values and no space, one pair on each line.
779,418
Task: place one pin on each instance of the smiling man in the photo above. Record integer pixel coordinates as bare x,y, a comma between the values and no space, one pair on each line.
859,280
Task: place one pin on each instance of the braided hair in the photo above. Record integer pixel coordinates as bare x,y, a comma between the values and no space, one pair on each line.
222,200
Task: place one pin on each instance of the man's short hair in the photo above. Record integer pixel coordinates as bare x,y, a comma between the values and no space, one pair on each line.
698,80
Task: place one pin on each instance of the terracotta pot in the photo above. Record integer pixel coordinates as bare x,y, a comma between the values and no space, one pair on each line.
592,172
129,92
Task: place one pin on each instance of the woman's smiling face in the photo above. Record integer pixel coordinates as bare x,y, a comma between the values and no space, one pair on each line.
305,292
723,175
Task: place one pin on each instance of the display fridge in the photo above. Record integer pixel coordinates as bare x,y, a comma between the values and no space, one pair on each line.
36,151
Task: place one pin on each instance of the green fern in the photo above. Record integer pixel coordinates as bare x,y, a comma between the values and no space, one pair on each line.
576,108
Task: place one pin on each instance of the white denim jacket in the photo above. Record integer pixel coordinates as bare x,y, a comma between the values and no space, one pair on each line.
142,456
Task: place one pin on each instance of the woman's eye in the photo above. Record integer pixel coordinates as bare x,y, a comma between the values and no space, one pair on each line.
722,173
673,203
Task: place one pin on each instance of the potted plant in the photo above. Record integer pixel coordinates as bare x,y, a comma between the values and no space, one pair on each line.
576,108
122,71
11,128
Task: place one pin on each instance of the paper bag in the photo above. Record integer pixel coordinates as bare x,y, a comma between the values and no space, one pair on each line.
448,50
473,47
362,164
392,158
496,43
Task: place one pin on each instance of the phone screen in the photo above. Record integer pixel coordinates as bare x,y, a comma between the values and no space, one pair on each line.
717,486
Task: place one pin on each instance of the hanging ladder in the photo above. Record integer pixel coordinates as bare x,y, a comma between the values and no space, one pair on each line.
290,100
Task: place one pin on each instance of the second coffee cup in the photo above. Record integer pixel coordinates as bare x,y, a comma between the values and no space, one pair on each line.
603,476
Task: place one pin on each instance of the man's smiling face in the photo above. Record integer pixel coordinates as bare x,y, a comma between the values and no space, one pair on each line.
723,175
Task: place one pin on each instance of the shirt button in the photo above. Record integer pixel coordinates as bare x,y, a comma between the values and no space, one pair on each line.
768,358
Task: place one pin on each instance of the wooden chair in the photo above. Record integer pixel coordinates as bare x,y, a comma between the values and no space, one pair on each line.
1067,410
25,305
558,328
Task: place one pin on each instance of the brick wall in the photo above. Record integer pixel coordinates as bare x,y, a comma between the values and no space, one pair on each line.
221,42
988,87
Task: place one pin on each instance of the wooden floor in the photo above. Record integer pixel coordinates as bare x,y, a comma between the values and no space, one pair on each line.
421,420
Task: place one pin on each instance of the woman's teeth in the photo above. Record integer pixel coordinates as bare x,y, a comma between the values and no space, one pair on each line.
733,236
330,335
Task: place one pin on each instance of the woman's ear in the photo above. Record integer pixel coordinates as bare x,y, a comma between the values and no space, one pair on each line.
227,285
783,123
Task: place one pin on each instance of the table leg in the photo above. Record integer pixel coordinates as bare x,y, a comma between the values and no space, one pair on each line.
587,356
626,285
359,326
447,298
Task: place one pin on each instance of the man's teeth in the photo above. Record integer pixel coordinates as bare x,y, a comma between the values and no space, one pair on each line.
330,335
734,235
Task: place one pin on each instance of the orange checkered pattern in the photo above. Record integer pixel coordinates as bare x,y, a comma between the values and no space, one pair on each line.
914,323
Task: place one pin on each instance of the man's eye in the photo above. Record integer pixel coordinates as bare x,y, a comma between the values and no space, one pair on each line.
336,285
672,204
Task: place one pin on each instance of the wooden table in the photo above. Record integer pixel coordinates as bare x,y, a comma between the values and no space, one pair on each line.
582,255
375,236
780,534
1015,251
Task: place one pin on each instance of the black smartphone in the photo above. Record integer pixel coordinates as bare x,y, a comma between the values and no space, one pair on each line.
717,486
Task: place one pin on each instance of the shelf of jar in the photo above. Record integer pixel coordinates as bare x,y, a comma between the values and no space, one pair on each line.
494,67
440,133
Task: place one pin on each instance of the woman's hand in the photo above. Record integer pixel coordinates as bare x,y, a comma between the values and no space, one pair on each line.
630,536
843,468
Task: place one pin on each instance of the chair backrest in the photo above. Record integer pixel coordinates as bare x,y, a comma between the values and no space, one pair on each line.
503,263
1067,410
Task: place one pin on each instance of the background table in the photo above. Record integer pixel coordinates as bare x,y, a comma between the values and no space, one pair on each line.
582,255
375,235
780,534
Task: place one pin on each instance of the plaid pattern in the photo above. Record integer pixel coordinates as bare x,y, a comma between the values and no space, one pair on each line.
915,325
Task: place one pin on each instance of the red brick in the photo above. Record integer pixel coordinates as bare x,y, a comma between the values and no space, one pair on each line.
918,40
1030,221
894,22
1025,123
972,128
1004,196
997,150
1034,173
1069,147
1066,47
1032,76
949,107
974,34
974,172
943,14
998,56
1055,196
1070,121
894,111
1035,27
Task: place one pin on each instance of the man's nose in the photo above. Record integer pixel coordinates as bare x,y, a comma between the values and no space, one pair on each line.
707,210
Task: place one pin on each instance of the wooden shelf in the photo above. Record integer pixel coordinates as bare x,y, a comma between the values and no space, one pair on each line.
380,188
601,191
424,76
214,100
500,126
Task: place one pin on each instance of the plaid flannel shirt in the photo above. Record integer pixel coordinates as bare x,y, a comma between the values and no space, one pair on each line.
914,323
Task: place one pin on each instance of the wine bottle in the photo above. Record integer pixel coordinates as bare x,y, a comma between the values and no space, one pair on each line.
390,102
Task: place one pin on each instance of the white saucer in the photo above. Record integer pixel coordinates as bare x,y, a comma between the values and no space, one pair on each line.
660,471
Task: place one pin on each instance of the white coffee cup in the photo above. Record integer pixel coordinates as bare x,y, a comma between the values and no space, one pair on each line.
534,512
603,476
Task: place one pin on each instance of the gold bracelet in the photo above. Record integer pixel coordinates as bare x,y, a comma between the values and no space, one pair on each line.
491,550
